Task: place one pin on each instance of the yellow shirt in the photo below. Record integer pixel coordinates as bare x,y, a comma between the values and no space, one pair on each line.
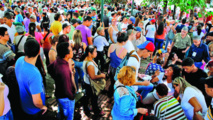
56,27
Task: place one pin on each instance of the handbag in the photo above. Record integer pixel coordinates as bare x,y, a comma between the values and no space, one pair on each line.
96,85
171,34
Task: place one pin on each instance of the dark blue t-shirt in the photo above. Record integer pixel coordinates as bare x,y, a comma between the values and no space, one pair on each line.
30,83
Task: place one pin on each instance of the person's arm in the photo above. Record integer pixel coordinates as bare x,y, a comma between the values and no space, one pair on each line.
197,106
206,55
146,32
91,73
37,101
89,39
84,46
2,87
71,70
108,53
184,51
52,56
39,28
144,83
110,34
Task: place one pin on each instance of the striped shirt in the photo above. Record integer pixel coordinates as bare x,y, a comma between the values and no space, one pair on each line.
169,108
209,114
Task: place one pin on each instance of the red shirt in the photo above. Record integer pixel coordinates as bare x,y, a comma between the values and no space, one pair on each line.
47,43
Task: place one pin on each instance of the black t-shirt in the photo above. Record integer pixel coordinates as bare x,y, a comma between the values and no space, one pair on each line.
194,79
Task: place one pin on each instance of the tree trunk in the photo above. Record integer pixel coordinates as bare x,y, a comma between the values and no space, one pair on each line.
174,12
191,14
181,14
165,6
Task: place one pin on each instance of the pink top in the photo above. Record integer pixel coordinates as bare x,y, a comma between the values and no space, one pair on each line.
38,37
162,36
6,100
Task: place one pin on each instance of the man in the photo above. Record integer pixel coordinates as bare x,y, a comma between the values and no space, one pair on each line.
51,15
131,36
143,52
167,107
9,25
208,83
2,11
31,88
56,26
192,74
139,39
74,24
65,85
106,25
131,23
181,43
33,19
85,31
27,21
6,55
75,15
180,26
66,28
199,51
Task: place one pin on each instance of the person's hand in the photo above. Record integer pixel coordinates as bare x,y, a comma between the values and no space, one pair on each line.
2,87
141,75
142,110
44,108
145,82
209,38
103,75
183,51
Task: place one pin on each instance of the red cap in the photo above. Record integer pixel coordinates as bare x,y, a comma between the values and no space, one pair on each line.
153,20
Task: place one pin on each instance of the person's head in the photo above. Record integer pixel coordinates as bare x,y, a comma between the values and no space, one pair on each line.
75,15
8,18
57,17
184,31
199,29
113,14
20,30
125,20
131,34
160,28
162,90
63,38
145,49
131,20
4,36
126,75
87,21
138,33
31,48
122,37
32,28
32,18
209,65
172,71
17,10
196,40
64,50
45,25
152,21
208,83
140,24
54,40
188,65
77,38
74,22
66,27
114,22
183,21
91,51
93,12
101,31
180,84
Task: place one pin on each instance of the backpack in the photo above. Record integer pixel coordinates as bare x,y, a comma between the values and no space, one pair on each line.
124,63
18,54
171,34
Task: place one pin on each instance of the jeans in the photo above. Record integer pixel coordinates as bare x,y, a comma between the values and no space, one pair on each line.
66,108
78,72
198,64
145,90
167,42
159,44
8,116
150,39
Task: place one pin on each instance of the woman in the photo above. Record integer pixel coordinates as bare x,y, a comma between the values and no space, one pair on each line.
47,45
78,48
5,110
140,24
192,100
52,55
172,59
116,52
90,69
199,32
170,30
100,42
45,19
160,36
171,73
113,30
125,98
19,18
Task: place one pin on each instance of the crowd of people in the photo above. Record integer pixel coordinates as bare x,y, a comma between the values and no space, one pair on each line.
158,64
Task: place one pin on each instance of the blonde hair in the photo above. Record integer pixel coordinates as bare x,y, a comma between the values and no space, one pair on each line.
127,75
99,29
167,23
77,38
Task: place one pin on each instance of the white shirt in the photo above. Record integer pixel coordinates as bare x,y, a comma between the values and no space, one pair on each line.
100,42
151,31
187,107
124,26
11,31
129,46
86,75
51,16
139,41
21,44
134,62
196,34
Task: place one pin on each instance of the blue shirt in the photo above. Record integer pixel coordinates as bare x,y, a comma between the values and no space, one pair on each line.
19,18
124,107
30,83
152,68
199,53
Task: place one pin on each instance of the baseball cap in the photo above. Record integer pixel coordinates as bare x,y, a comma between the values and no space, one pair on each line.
19,29
33,16
208,81
138,29
153,20
161,51
65,24
73,21
147,45
132,19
